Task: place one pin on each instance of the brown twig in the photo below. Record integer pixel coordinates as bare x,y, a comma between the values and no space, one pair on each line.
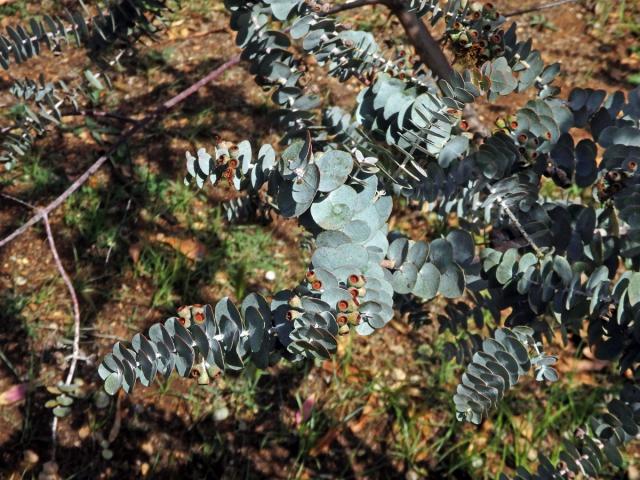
74,299
67,282
544,6
425,45
133,129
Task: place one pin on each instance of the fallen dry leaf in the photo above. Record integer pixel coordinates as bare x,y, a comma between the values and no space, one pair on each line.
190,248
325,442
134,252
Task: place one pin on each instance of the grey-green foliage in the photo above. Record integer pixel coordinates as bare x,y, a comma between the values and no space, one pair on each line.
587,453
105,35
117,21
552,257
355,270
498,366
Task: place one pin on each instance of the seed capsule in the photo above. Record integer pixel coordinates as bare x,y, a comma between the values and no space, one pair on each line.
614,176
292,315
355,281
295,302
343,329
342,319
354,318
316,285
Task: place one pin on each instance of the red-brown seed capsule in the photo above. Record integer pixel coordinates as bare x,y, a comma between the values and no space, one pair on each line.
233,163
343,305
522,138
354,292
632,165
316,285
199,317
614,176
464,125
354,318
342,319
513,125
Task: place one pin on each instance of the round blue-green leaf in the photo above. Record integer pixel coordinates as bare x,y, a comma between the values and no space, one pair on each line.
112,383
256,326
332,239
397,251
405,278
357,230
633,291
266,157
335,167
427,282
335,210
441,253
451,281
282,8
244,156
462,244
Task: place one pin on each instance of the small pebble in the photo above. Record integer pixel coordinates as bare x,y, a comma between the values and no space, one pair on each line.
221,414
270,276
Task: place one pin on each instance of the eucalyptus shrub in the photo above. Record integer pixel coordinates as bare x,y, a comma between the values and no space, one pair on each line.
564,262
